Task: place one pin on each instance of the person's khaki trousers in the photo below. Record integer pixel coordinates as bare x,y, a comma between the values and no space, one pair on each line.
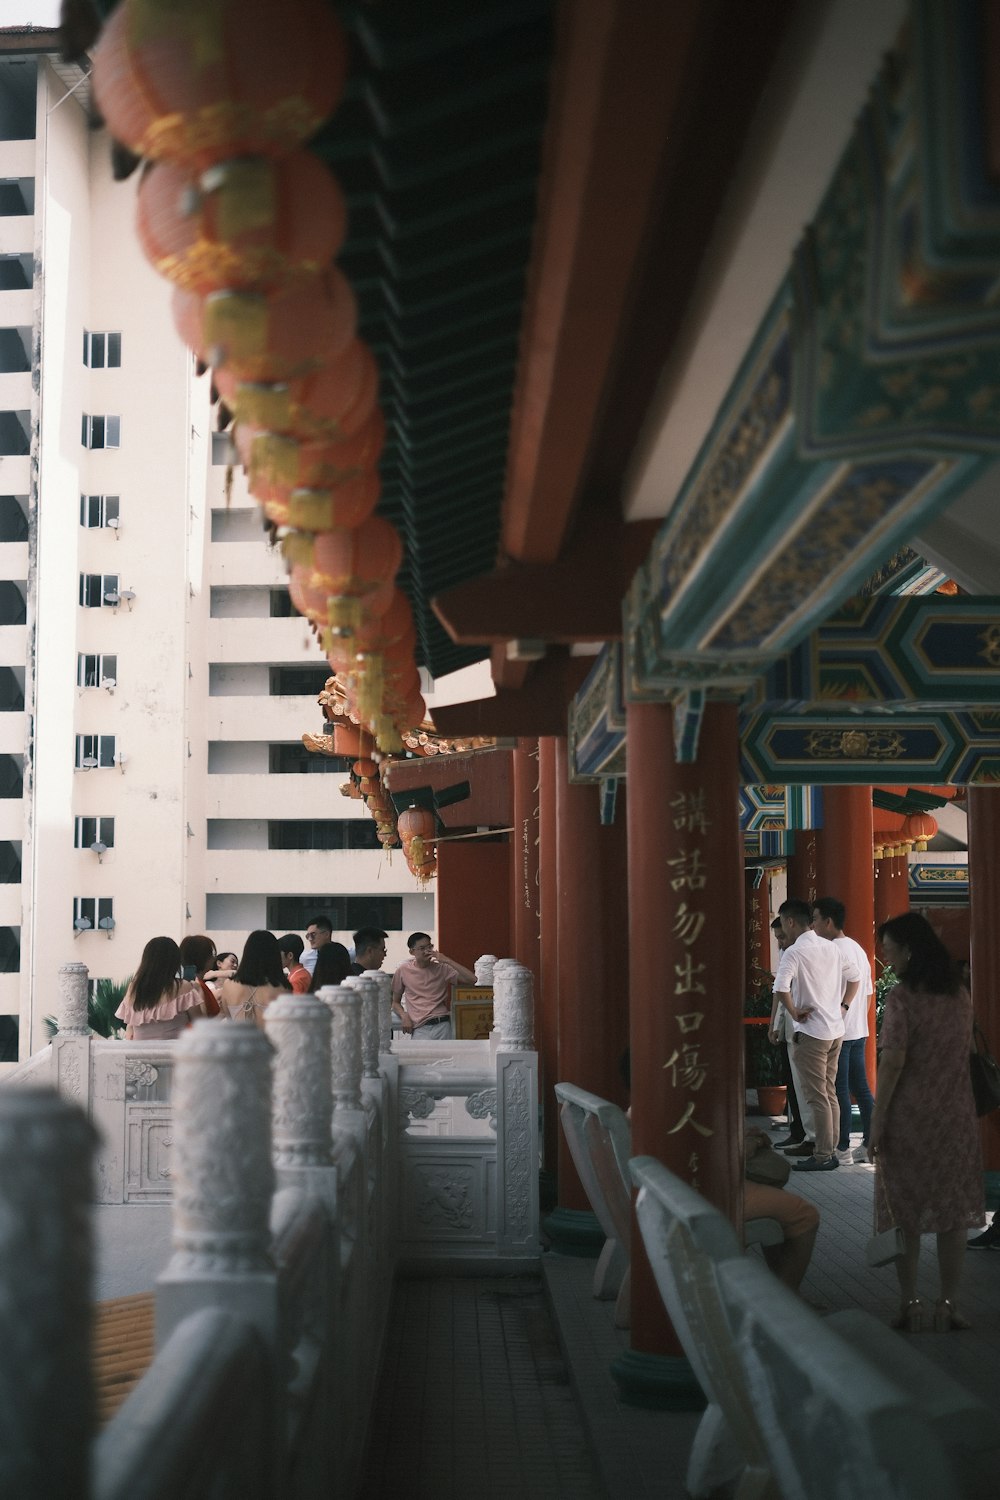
816,1063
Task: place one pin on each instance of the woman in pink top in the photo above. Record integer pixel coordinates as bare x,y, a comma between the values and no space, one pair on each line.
158,1005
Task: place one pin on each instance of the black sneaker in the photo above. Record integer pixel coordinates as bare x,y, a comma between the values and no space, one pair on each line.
790,1140
804,1148
988,1240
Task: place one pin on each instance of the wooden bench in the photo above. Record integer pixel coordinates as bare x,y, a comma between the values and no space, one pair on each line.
788,1391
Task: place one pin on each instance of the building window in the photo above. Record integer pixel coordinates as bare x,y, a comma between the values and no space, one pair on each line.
282,607
90,912
223,450
102,351
298,682
99,510
96,671
97,589
346,913
93,750
8,1027
322,833
91,831
296,760
101,432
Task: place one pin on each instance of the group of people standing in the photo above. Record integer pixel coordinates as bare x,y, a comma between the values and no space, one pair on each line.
920,1130
176,983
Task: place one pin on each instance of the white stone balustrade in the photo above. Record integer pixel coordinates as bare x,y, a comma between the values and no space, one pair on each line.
46,1401
369,992
345,1045
299,1027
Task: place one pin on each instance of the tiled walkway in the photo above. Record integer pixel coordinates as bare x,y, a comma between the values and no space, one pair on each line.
475,1398
480,1375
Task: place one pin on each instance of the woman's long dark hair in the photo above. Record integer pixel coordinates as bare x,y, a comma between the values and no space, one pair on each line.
333,964
197,952
261,961
930,967
156,975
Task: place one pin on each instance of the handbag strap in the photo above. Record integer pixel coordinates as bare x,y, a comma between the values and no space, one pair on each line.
880,1180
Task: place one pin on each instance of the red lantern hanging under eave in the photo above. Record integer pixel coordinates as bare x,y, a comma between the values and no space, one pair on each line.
202,81
335,403
416,822
271,336
244,224
919,828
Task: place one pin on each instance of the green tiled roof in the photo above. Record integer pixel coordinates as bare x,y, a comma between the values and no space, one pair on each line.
437,146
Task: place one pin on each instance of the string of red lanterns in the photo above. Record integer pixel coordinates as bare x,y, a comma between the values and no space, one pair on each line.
218,99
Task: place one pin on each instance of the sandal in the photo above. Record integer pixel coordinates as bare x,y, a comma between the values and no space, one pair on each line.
948,1320
910,1317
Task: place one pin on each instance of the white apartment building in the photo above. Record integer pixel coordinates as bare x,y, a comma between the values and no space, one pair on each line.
153,685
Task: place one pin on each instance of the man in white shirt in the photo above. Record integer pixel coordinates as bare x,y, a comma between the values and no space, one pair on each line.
822,980
852,1078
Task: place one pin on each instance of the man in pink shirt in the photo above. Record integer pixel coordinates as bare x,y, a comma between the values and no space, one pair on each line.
421,990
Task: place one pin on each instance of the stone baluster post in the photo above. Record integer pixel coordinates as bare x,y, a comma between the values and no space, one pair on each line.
369,1021
46,1394
71,1043
515,1022
500,966
223,1177
298,1027
345,1046
383,983
71,1012
483,968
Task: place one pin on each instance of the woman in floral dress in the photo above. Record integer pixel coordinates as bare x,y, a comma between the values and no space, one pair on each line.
924,1133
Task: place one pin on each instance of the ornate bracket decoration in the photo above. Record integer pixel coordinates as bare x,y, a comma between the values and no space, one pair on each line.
414,1104
869,398
483,1106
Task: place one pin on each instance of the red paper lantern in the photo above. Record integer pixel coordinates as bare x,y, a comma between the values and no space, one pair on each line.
273,335
198,82
334,403
919,828
249,223
416,822
361,559
312,510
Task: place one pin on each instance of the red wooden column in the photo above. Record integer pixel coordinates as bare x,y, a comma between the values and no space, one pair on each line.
546,1006
801,872
845,870
524,909
983,807
758,924
592,994
685,879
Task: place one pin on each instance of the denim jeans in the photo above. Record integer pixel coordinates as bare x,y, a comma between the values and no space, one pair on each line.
852,1079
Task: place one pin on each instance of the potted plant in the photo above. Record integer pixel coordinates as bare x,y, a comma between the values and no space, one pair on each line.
764,1066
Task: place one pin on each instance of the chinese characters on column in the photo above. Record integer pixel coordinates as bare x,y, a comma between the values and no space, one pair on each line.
688,881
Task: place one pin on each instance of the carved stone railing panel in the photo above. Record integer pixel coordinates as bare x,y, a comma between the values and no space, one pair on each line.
46,1148
517,1144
